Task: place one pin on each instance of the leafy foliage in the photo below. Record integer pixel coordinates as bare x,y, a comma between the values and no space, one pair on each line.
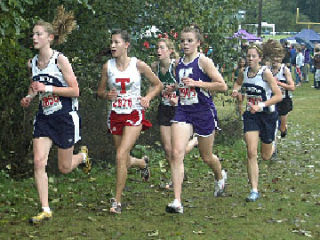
88,47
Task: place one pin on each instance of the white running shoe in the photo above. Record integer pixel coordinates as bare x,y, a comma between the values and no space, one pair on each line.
174,207
219,186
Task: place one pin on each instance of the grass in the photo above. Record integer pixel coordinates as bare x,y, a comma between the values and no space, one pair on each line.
289,207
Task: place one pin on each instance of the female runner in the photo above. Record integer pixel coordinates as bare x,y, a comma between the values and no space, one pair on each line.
260,117
165,69
57,120
122,74
196,76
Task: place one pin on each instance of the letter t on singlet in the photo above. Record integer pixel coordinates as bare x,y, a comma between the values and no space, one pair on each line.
123,82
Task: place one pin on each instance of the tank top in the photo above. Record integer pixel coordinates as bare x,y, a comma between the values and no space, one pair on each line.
167,79
128,86
50,103
257,89
192,98
282,78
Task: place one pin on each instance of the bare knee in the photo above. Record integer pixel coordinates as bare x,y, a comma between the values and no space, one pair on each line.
122,158
207,157
252,155
167,150
266,156
64,169
40,163
177,155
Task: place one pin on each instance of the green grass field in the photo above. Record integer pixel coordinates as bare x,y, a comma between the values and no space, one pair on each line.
289,208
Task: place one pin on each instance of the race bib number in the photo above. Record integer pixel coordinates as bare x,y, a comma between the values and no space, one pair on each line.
188,95
253,100
50,103
166,96
125,104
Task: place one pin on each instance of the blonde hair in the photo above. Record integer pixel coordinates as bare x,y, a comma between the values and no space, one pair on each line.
257,48
63,24
170,45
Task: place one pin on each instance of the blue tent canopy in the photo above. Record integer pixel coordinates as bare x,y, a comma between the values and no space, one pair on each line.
307,36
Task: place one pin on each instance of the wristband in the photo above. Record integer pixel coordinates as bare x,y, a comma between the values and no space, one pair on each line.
48,88
29,96
261,106
234,90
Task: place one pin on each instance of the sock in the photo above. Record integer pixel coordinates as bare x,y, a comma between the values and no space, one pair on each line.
84,157
46,209
254,190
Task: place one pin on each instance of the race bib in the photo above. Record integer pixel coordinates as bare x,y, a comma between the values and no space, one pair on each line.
50,103
253,100
188,95
125,104
166,96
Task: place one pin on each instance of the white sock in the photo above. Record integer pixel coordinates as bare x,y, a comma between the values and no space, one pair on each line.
84,157
46,209
254,190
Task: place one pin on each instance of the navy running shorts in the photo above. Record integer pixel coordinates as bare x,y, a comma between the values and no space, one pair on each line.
62,129
284,107
265,123
165,114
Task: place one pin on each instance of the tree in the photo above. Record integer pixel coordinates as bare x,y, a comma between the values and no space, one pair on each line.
87,49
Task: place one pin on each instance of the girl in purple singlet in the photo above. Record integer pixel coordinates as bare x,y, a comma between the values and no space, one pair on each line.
196,76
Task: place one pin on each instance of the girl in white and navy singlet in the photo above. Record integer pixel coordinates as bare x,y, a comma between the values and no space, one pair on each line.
196,76
285,82
260,117
126,118
57,120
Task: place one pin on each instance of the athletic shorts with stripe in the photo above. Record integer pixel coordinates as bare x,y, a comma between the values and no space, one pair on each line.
116,122
62,129
203,122
265,123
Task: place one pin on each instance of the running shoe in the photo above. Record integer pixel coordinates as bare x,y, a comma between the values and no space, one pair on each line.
115,206
87,160
253,196
42,216
219,186
174,207
283,134
145,172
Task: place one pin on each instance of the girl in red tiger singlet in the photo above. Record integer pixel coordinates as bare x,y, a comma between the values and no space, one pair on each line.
122,74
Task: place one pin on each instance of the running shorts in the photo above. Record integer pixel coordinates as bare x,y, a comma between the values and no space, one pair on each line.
165,114
116,122
62,129
203,122
284,107
265,123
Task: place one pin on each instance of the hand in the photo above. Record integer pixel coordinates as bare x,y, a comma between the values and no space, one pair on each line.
145,101
189,82
38,87
173,101
254,108
112,94
25,102
234,93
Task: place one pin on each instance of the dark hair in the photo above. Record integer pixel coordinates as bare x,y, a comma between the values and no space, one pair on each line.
195,29
317,49
123,33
